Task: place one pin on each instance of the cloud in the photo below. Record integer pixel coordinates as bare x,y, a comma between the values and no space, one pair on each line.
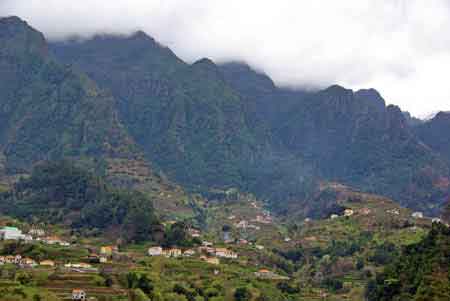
400,47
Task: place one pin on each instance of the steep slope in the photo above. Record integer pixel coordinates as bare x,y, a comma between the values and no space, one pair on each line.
223,126
49,111
355,139
421,272
349,137
188,121
434,133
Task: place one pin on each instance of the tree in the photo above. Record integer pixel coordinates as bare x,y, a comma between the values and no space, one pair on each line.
242,294
177,235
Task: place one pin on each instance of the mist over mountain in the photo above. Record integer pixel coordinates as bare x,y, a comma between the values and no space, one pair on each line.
206,125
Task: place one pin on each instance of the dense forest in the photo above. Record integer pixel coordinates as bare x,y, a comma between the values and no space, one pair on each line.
420,272
62,192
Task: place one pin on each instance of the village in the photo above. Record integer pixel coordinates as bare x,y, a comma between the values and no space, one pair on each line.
101,257
239,236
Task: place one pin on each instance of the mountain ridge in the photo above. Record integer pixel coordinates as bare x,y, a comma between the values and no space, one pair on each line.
221,126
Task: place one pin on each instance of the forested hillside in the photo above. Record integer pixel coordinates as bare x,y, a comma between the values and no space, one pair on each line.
225,126
420,272
205,126
49,110
62,192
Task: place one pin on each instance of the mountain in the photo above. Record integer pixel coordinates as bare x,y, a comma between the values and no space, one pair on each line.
49,111
130,104
230,126
411,120
185,118
352,137
433,133
348,137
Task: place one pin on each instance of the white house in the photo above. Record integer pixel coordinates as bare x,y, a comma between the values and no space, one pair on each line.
207,243
225,253
155,251
436,220
394,211
78,295
36,232
334,216
11,233
174,252
348,212
189,252
417,214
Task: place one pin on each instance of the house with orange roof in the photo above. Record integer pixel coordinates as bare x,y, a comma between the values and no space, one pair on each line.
47,263
78,294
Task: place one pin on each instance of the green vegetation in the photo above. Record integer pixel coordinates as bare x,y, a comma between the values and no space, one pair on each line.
420,272
60,191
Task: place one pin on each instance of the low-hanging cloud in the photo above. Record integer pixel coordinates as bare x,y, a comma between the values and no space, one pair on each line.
400,47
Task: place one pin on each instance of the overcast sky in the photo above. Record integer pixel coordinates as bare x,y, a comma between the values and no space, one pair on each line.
399,47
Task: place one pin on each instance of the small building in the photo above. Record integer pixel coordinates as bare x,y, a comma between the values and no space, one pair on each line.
393,211
259,247
436,220
348,212
103,259
47,263
80,265
10,259
52,240
36,232
287,239
108,250
334,216
208,250
189,253
174,252
155,251
28,262
417,214
207,243
78,294
266,274
225,253
17,259
11,233
84,265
